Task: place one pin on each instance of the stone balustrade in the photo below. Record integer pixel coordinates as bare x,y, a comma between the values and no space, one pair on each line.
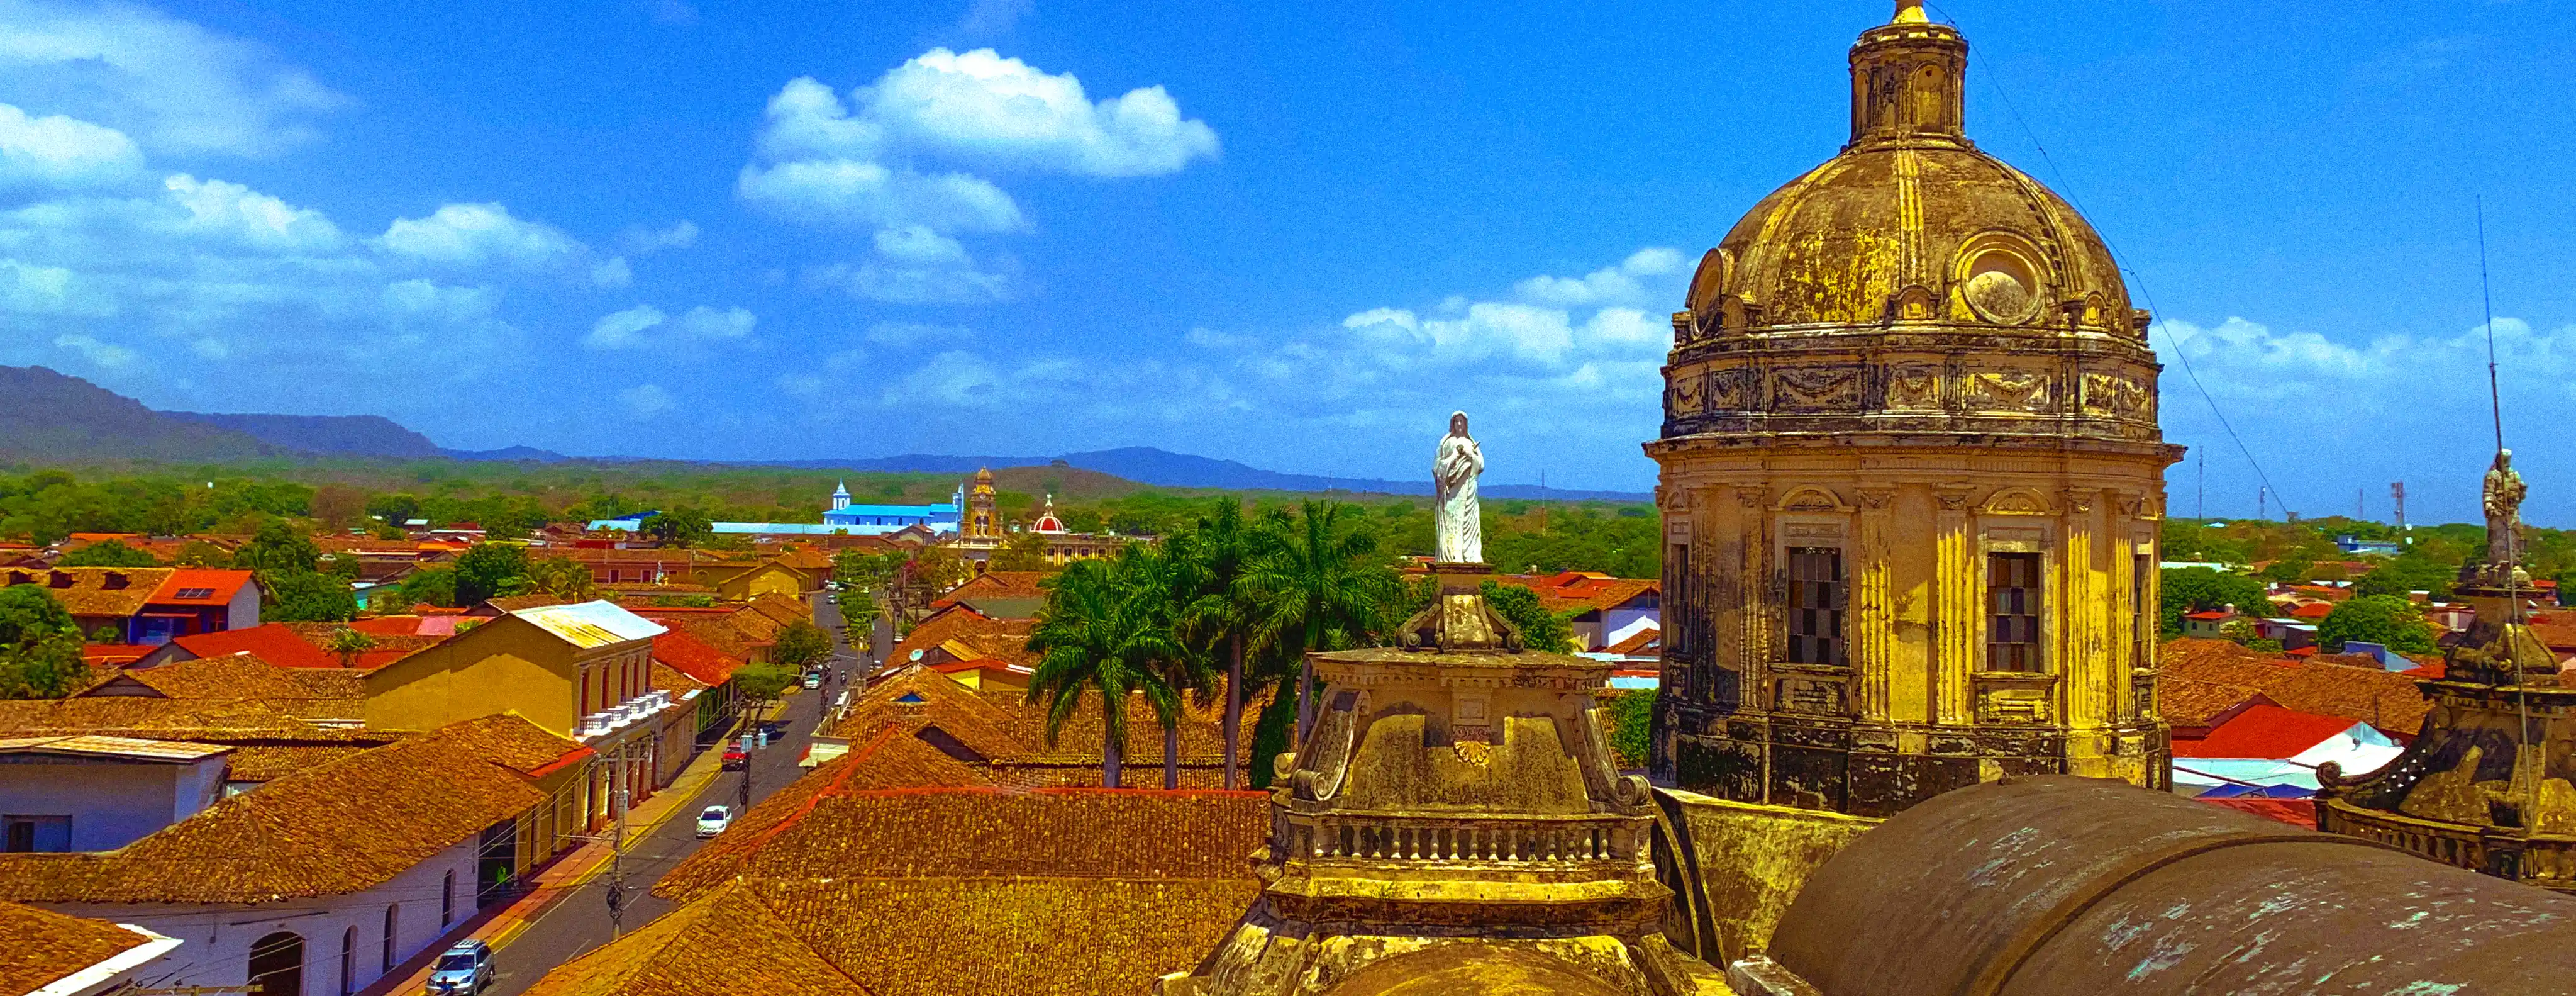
1566,841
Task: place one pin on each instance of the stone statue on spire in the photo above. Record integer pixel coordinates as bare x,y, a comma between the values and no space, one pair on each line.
1458,529
2502,498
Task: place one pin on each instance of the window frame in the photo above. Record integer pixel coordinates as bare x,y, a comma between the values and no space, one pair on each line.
1832,616
2032,607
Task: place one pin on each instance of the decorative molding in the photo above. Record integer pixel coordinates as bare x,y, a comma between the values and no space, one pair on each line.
1877,499
1811,531
1810,498
1684,394
1828,388
1953,497
1752,497
2017,501
2079,500
2008,390
2128,503
1914,387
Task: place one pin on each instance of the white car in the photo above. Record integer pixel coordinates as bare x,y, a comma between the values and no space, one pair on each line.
814,680
714,821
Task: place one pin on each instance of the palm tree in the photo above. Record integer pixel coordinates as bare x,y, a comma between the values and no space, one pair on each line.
1316,582
1159,584
1095,635
1216,611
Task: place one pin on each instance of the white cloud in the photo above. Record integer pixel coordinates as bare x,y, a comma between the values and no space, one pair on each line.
707,323
422,298
889,158
982,106
612,273
856,193
95,351
235,212
955,377
1608,285
642,241
987,17
61,151
626,329
475,234
644,401
171,85
623,329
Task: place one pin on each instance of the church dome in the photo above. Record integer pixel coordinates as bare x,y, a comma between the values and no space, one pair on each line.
1911,222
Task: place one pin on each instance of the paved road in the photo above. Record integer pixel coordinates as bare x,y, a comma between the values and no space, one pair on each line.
580,923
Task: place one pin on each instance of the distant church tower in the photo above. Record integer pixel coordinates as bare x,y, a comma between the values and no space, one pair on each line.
841,496
1911,476
981,528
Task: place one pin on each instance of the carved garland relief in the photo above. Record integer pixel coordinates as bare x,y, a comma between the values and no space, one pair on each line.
1816,388
2008,390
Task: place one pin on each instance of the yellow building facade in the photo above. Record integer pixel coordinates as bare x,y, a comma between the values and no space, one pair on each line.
1911,475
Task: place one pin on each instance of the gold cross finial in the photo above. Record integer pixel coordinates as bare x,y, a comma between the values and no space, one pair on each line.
1910,12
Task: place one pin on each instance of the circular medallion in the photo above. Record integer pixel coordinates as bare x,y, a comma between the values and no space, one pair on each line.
2000,289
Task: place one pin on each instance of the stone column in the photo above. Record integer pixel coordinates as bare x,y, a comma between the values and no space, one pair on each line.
2083,662
1753,599
1873,622
1958,589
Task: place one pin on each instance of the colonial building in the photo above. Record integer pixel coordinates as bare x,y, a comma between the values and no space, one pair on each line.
980,529
1911,475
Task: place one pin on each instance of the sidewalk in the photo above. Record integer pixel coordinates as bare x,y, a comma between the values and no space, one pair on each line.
562,879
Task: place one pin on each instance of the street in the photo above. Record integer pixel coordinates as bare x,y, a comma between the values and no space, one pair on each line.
581,923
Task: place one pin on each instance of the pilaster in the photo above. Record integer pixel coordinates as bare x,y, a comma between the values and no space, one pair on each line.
1957,591
1873,622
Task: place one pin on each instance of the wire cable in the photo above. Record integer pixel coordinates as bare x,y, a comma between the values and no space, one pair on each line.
2068,191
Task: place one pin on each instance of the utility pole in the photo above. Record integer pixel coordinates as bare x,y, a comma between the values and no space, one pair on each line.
2262,507
2200,495
617,861
747,740
2359,511
2397,490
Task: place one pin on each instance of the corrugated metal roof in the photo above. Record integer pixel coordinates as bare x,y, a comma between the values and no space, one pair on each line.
101,746
591,624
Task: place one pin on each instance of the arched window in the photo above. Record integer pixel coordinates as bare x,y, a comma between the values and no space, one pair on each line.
393,918
447,900
348,961
277,964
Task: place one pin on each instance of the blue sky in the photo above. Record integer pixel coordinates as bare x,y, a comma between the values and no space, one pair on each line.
1294,236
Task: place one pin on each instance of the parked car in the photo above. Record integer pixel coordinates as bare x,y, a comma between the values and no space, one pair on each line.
775,728
813,679
714,820
734,758
465,968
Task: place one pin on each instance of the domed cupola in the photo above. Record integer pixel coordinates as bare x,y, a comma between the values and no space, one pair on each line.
1911,475
1910,224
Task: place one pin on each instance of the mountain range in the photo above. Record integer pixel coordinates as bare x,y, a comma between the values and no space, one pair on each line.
58,417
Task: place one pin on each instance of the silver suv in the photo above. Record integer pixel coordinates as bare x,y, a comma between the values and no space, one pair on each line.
466,968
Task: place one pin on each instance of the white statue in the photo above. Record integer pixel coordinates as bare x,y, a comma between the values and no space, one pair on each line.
1458,535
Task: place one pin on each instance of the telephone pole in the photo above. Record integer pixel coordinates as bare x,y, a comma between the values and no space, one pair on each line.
2397,490
617,861
2200,495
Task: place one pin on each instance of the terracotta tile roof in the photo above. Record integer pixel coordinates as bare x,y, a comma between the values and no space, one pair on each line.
218,584
669,679
2385,699
390,647
676,955
315,695
38,946
275,643
1643,641
781,609
998,585
1009,735
94,591
92,745
513,603
830,888
261,763
204,720
1595,594
344,827
693,656
956,623
718,633
2264,731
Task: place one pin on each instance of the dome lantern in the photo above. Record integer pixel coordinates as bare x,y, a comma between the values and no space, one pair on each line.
1909,80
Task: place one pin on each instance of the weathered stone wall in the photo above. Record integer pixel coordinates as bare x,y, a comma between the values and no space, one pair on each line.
1743,863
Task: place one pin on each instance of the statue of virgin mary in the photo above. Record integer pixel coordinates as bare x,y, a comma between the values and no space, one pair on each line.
1458,533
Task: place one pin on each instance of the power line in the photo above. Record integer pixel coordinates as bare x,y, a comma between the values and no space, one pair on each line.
2068,190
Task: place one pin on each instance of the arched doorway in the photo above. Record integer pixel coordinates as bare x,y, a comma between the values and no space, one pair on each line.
277,964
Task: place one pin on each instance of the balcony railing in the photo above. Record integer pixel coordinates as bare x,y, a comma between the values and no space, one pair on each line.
624,714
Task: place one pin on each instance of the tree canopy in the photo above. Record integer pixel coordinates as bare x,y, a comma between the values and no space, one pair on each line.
2388,620
2200,589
